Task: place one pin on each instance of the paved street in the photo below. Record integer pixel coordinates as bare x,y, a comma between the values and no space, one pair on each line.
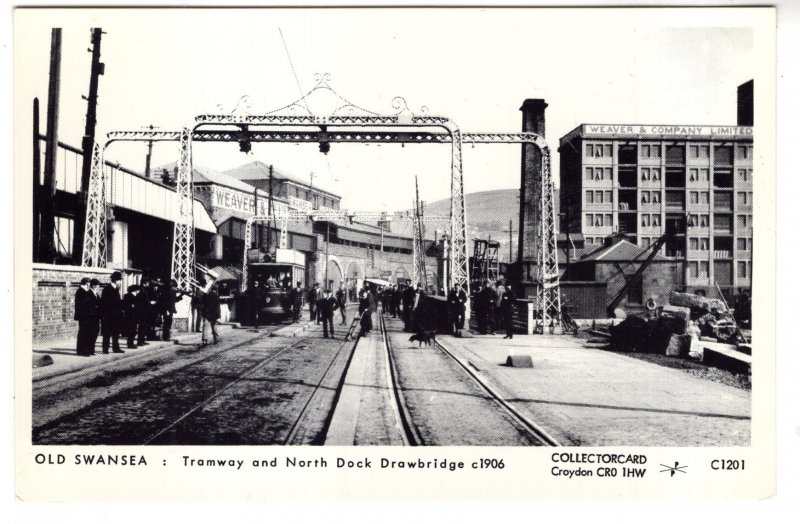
586,396
252,388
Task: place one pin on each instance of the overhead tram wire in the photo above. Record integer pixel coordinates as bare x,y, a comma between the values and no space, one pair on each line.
297,80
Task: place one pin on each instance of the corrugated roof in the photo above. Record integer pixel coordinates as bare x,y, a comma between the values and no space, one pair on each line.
621,251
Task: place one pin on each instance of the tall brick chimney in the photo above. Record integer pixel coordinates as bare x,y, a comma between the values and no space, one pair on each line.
744,104
532,122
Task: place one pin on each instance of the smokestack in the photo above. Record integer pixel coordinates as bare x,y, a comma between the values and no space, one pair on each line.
532,122
744,104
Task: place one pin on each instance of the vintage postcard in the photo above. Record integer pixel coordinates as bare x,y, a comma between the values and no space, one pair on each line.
415,253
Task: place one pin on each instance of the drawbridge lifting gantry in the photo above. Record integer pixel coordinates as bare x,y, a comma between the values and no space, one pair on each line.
361,126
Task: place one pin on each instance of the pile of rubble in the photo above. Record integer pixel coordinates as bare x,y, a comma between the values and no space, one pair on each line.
670,329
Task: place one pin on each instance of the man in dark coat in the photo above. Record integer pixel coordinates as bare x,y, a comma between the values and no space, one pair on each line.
167,300
395,301
480,308
456,307
326,306
255,299
296,300
417,318
86,311
341,302
313,297
409,295
130,305
197,311
111,315
490,303
211,313
507,310
146,306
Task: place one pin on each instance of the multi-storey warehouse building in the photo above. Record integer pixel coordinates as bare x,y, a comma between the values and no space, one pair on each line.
643,180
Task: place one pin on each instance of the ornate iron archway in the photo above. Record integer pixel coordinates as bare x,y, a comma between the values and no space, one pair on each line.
358,125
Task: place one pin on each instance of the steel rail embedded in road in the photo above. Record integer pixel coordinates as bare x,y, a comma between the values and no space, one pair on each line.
217,393
530,427
411,434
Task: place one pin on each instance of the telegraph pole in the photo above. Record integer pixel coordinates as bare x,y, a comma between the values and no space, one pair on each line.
149,154
37,185
46,237
98,68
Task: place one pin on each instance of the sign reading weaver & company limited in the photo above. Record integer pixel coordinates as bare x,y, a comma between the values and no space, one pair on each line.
666,130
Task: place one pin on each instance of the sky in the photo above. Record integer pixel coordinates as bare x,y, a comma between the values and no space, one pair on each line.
474,66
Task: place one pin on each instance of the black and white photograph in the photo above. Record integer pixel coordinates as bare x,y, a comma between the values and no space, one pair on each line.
459,228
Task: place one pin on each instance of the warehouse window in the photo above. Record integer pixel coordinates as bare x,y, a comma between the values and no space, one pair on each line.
590,197
703,220
704,244
743,244
650,150
703,269
645,173
656,220
645,197
656,197
741,269
694,198
743,175
694,244
744,221
744,152
645,220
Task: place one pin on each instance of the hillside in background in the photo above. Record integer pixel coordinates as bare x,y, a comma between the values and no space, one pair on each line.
488,213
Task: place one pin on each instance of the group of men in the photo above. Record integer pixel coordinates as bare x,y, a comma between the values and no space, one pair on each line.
494,303
134,315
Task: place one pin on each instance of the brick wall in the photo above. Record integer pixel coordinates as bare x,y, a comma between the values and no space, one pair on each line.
53,298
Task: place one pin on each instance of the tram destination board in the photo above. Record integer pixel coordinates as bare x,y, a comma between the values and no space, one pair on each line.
364,283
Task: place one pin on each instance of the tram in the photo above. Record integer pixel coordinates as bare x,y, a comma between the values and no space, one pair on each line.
275,279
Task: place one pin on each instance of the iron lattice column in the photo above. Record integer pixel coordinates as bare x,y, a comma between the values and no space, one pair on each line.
459,270
183,245
548,290
94,239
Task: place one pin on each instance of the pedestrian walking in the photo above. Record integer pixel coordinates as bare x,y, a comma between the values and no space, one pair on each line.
167,300
507,310
211,313
111,315
313,297
341,302
86,313
130,306
326,307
